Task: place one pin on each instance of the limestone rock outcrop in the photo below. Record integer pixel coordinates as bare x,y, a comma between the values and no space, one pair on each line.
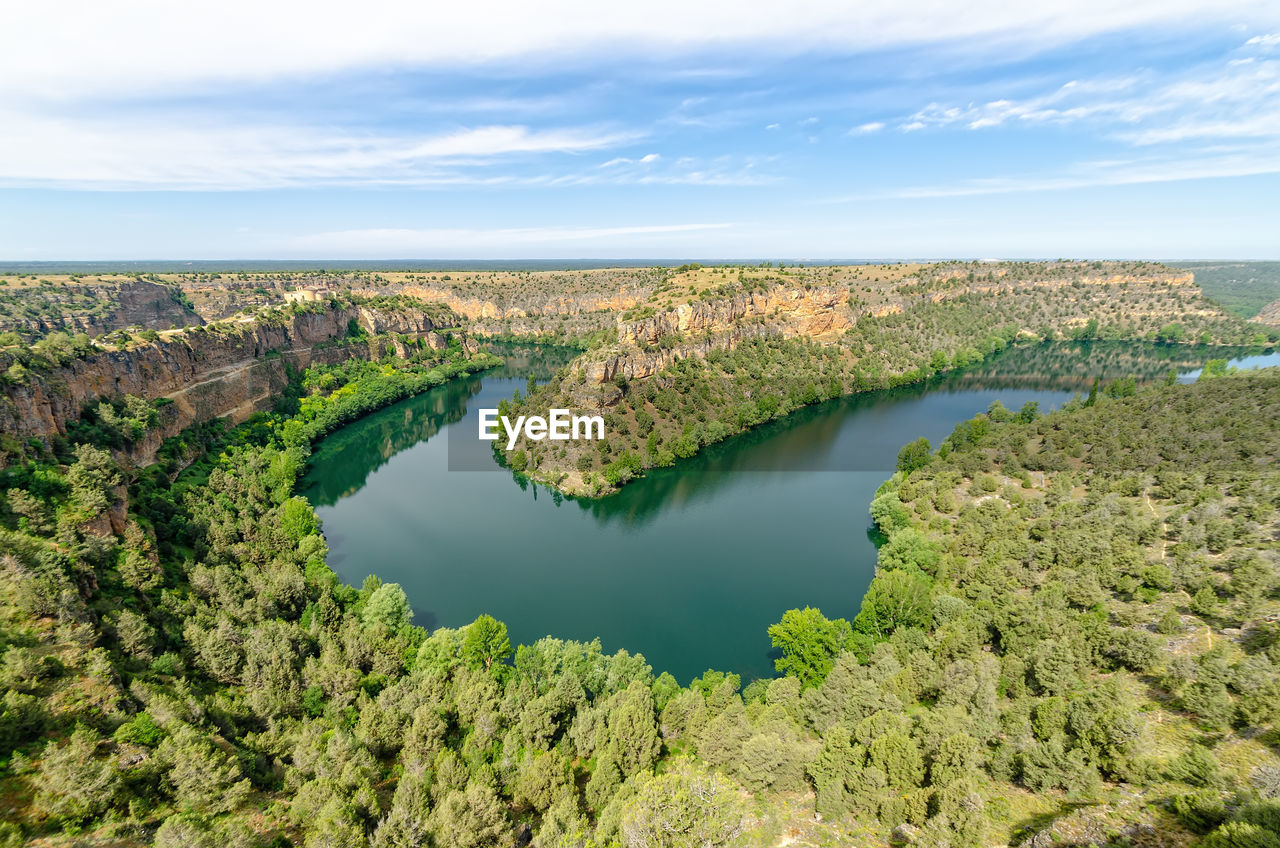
647,345
229,370
136,303
1270,314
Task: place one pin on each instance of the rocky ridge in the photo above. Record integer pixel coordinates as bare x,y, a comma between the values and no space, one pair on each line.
230,370
79,308
1270,314
647,345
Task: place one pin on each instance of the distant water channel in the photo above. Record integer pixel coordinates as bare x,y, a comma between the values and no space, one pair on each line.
689,565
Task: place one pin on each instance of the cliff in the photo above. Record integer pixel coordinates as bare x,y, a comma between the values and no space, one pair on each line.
229,370
647,345
1269,314
93,308
476,307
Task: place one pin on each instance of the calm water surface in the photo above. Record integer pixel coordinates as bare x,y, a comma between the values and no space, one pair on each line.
689,565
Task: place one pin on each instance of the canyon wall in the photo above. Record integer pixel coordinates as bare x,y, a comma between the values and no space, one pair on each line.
1270,314
476,308
79,308
647,345
230,370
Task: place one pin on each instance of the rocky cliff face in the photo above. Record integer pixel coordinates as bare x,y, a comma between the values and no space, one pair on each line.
1270,314
648,345
475,308
143,304
228,371
823,314
98,309
817,313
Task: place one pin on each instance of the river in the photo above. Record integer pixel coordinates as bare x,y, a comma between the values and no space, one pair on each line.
689,565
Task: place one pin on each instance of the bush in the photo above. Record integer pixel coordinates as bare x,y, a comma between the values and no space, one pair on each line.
1196,766
140,730
1200,811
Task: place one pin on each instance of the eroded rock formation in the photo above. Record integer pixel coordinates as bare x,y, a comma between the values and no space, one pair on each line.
229,370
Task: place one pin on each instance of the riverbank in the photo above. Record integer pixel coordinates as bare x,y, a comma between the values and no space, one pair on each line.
410,492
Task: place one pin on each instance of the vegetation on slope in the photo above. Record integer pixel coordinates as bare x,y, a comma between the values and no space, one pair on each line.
1070,610
1243,288
1114,566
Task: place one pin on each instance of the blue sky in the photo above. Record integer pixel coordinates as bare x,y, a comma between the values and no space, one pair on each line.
153,130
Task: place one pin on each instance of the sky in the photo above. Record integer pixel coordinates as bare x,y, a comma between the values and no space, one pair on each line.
878,129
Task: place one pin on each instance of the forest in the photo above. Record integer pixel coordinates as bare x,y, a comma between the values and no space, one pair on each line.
1072,629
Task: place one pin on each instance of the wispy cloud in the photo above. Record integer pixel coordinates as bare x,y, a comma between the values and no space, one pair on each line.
463,241
647,159
867,128
1089,175
120,153
656,108
653,169
1230,99
249,41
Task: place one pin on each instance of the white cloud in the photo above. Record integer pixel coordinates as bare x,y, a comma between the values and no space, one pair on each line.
121,153
1266,125
1269,40
1226,100
463,241
68,49
868,128
652,169
773,126
647,159
1093,174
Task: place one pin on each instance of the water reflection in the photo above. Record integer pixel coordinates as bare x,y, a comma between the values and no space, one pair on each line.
688,565
362,447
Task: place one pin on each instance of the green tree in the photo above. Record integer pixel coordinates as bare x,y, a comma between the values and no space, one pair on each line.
186,830
914,455
485,643
633,730
203,777
832,771
896,598
298,519
474,818
92,477
684,807
136,636
73,783
336,825
388,605
898,756
809,642
408,823
957,757
910,549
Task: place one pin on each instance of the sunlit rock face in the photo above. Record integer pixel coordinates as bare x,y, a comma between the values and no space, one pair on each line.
227,371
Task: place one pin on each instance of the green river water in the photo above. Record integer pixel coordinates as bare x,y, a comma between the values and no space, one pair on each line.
688,566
